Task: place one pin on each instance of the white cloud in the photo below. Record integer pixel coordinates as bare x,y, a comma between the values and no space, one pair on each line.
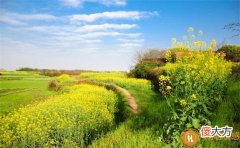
11,21
76,39
113,34
71,29
51,29
79,3
38,28
16,46
14,18
105,27
95,36
130,15
62,36
113,2
89,49
88,31
91,41
21,19
130,45
131,40
84,35
72,3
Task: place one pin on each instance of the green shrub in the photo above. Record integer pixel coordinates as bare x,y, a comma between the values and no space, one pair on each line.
147,70
142,69
53,85
149,66
51,73
232,52
236,71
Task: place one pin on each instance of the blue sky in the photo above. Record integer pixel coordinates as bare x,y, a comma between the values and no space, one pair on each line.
103,34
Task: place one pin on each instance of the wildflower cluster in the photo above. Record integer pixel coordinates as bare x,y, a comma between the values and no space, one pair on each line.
189,43
70,119
168,56
165,85
119,78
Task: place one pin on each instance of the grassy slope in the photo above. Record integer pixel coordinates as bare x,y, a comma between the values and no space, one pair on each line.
17,89
227,113
141,130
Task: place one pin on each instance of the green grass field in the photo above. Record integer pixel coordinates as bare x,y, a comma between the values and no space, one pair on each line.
141,130
21,88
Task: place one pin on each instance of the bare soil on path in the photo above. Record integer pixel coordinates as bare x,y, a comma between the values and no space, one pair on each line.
131,100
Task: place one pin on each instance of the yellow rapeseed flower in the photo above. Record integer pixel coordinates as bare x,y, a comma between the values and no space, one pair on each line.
84,106
168,87
193,96
183,102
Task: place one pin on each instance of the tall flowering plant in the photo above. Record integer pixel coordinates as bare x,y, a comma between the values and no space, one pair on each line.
198,81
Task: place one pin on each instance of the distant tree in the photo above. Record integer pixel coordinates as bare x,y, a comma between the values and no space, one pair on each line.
149,54
232,52
27,69
234,27
138,56
154,54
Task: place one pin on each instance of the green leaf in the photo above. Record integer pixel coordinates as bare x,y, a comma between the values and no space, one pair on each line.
183,118
189,125
196,123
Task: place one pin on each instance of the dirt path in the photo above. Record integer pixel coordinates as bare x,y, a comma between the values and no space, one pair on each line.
131,100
